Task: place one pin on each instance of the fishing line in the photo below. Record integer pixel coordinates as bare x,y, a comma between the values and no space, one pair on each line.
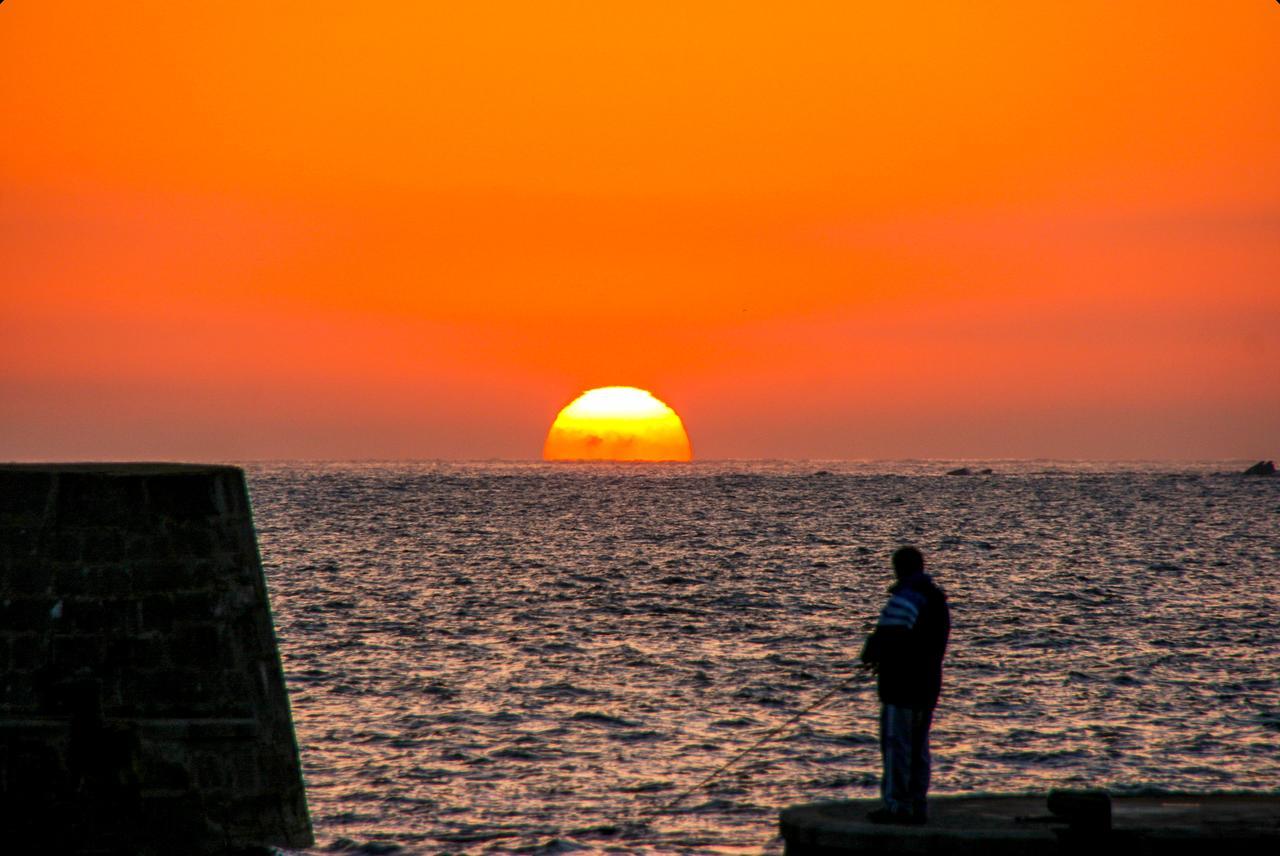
830,694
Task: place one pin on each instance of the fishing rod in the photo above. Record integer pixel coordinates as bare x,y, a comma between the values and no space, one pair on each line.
830,694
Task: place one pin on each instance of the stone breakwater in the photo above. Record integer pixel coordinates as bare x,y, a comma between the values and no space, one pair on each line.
142,703
1025,825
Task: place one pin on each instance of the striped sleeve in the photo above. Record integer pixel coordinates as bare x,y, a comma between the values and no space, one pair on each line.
902,610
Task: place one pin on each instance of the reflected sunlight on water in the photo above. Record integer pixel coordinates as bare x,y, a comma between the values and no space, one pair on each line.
503,657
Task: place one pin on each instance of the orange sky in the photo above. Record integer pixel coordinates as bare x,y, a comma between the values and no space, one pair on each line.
397,229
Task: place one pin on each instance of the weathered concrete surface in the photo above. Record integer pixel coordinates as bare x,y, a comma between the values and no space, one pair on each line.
1141,826
142,704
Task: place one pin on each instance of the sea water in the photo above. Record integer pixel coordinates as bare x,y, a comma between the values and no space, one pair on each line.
501,657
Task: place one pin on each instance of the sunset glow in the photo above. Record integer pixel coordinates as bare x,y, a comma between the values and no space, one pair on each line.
617,423
829,230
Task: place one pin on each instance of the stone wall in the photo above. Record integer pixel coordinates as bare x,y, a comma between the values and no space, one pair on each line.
142,703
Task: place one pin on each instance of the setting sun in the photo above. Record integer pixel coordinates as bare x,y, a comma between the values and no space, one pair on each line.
617,423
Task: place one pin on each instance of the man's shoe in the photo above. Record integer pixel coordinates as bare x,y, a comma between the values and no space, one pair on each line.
883,815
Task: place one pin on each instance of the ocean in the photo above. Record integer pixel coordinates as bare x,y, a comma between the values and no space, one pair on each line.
540,658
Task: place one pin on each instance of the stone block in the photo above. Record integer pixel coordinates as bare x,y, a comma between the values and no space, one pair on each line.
26,495
156,545
192,540
231,496
31,613
124,617
67,546
158,613
182,496
26,650
163,774
71,578
102,545
17,696
109,580
179,818
246,626
197,645
28,576
39,765
154,575
197,606
187,690
211,772
93,498
210,574
72,654
86,615
240,684
244,774
18,543
148,651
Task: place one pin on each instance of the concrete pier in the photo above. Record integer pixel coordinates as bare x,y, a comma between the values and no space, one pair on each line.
1170,825
142,703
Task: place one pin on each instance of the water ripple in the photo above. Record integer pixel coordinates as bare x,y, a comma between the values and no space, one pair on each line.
528,658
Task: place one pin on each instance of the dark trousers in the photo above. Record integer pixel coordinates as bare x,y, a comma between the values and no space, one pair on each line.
904,747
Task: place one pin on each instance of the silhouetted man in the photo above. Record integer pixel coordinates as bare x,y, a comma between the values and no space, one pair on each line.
905,650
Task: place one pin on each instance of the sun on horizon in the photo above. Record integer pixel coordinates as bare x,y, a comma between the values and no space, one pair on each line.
617,423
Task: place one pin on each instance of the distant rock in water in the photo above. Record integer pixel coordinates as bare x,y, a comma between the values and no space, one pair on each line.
1262,468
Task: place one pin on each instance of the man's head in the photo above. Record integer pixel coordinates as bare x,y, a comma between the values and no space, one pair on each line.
907,562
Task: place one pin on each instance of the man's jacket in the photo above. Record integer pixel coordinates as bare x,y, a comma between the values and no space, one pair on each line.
908,643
